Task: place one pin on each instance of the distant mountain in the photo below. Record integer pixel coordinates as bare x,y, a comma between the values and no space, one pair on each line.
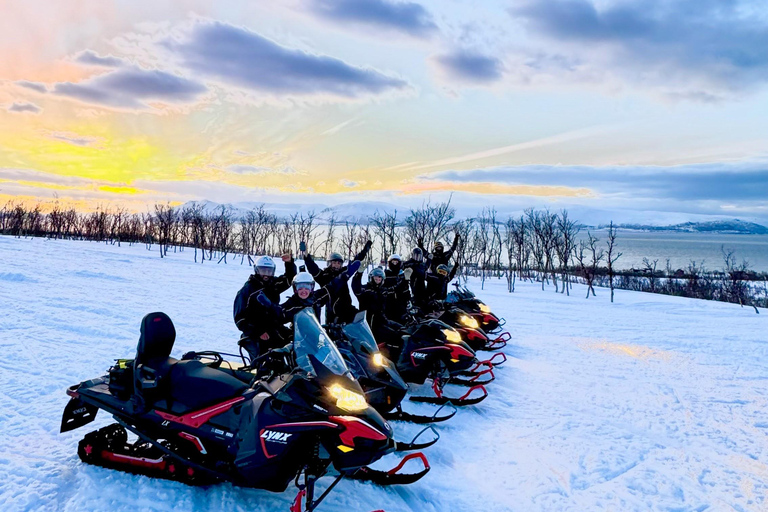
734,226
360,211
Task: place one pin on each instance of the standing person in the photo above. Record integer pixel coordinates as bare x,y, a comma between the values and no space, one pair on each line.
439,256
259,331
339,306
437,282
396,308
415,272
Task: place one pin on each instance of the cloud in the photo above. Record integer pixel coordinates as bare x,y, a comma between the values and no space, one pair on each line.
47,178
253,169
467,66
131,87
348,183
742,181
407,17
24,107
690,47
35,86
74,139
242,58
92,58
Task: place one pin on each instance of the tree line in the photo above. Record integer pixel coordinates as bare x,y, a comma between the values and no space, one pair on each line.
539,245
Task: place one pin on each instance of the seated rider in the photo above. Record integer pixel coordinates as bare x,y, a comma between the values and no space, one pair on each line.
437,283
259,331
415,272
339,306
304,295
439,256
396,308
373,297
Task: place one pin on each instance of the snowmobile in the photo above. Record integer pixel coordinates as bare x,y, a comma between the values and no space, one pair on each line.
429,349
384,387
465,300
204,423
468,326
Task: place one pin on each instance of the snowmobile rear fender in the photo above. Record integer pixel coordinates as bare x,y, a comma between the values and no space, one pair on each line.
77,413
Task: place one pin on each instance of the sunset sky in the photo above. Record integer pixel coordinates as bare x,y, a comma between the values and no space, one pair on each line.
648,105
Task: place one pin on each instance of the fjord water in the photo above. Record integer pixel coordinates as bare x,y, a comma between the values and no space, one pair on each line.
681,248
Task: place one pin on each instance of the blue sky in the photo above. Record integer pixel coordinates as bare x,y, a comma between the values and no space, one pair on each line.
648,106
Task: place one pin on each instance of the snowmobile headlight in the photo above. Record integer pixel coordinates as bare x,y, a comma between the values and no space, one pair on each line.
468,321
484,308
347,399
378,359
452,336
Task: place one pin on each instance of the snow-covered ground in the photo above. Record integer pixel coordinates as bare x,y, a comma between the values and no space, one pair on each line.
651,403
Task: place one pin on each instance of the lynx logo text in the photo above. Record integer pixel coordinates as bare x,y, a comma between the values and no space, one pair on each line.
275,437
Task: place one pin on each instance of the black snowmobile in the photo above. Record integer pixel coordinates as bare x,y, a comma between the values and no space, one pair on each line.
203,423
378,376
430,349
467,301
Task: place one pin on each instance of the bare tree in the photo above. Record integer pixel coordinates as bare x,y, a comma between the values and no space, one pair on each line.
612,255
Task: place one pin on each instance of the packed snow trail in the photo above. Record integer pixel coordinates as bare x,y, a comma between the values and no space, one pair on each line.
651,403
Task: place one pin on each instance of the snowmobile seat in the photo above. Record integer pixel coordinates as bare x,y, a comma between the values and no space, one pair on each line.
153,361
194,385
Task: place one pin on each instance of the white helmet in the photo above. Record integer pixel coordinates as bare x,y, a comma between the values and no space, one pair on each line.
264,266
303,280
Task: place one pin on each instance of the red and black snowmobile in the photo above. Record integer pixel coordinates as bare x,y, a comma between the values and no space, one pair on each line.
430,349
378,376
491,325
203,423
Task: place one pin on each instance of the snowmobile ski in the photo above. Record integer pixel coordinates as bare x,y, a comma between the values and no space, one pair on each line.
413,445
399,414
441,399
392,477
473,381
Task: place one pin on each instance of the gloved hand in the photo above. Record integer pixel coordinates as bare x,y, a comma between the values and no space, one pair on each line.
352,268
262,299
407,273
367,247
361,269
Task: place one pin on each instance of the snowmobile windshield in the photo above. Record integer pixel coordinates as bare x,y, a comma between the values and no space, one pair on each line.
314,347
360,332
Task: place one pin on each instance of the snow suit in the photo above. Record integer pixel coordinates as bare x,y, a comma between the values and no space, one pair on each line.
440,257
417,281
253,319
396,306
437,285
339,306
373,299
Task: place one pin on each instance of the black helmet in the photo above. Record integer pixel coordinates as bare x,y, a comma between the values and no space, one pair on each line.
442,270
394,262
417,254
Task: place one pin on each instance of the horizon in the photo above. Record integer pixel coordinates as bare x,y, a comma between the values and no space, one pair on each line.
629,108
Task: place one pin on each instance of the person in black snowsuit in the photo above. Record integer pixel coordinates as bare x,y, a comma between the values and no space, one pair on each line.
259,330
396,306
304,295
417,276
437,283
439,256
339,308
373,297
